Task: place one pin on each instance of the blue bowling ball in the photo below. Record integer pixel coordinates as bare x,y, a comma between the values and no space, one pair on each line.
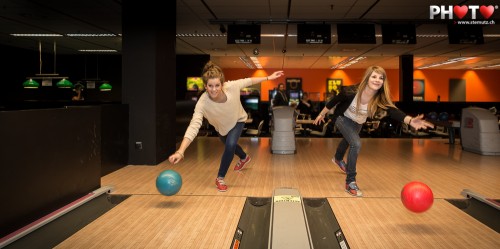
169,182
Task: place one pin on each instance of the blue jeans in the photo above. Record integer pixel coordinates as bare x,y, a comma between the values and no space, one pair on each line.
350,133
231,148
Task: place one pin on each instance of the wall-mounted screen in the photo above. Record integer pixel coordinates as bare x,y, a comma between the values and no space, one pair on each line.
314,34
250,103
243,34
194,84
465,34
356,33
399,34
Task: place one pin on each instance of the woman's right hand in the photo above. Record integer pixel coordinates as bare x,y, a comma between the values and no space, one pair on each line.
175,158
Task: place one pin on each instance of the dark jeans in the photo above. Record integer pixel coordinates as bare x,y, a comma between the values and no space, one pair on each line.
231,148
350,133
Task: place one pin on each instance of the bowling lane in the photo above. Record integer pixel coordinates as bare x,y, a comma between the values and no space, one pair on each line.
156,221
386,223
200,217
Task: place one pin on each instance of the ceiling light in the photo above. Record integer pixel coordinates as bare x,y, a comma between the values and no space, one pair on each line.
432,35
256,62
272,35
247,63
348,62
352,62
200,35
485,67
37,35
91,35
450,61
98,50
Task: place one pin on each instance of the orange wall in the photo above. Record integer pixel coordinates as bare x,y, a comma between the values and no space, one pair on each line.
481,85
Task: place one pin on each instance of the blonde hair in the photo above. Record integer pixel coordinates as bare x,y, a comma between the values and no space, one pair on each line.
212,71
381,99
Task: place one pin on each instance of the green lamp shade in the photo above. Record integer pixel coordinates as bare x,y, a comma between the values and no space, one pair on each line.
64,83
105,87
31,84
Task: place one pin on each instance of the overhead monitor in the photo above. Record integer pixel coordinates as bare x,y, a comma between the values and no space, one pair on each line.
399,34
314,34
243,34
465,34
356,33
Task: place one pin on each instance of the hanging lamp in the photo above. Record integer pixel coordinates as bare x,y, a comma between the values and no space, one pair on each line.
105,87
64,83
31,84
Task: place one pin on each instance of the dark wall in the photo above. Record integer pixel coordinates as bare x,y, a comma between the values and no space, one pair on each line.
406,77
188,66
48,158
114,138
149,72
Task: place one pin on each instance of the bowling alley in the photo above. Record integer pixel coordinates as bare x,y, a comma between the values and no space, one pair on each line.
280,124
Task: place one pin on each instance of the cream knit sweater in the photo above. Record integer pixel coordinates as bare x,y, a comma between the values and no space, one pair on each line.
222,116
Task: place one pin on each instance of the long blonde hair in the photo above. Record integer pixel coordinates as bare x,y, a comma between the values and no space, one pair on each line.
212,71
381,99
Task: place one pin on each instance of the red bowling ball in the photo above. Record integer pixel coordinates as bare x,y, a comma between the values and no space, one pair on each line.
417,197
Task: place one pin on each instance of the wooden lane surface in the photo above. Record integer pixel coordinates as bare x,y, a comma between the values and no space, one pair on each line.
155,221
384,223
384,167
378,220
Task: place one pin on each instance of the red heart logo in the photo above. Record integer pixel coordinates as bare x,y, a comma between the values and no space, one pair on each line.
486,11
460,11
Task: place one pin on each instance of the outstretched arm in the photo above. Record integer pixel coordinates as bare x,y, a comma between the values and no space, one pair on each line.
179,154
273,76
418,122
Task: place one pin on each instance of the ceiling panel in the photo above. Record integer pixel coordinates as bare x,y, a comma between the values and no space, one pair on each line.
278,24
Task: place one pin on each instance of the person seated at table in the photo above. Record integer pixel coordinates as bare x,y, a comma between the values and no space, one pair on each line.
78,92
305,105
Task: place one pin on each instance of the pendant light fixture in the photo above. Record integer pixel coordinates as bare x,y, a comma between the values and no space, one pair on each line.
92,83
30,83
64,83
105,87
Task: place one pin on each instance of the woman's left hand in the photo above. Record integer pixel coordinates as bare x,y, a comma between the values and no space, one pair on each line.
320,118
418,122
